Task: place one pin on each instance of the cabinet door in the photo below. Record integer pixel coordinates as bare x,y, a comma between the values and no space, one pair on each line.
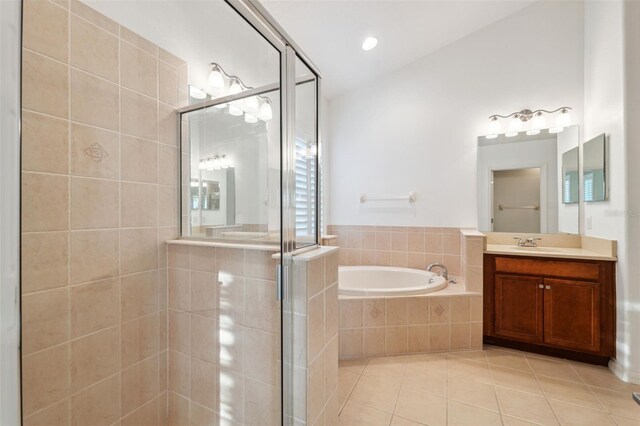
518,308
572,314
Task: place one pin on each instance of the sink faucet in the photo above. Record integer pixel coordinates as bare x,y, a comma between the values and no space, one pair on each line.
445,271
527,242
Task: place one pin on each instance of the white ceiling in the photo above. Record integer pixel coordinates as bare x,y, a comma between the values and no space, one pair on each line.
331,32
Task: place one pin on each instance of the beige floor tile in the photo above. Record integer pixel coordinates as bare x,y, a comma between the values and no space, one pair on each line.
422,407
525,406
479,356
601,377
471,392
618,403
387,367
573,393
355,414
516,379
353,366
510,359
401,421
569,414
346,382
378,392
430,381
459,414
427,362
624,421
471,369
549,367
513,421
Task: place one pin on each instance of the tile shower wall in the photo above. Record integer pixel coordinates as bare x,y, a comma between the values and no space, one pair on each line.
407,247
409,325
315,337
99,198
224,336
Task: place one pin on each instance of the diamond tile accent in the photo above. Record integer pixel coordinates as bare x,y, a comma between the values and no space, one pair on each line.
96,152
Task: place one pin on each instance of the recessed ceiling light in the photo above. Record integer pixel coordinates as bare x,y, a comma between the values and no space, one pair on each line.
369,43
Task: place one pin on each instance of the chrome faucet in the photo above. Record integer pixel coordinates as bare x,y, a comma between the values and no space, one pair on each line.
527,242
445,271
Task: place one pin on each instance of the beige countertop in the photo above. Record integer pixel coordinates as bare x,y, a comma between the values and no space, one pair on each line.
555,252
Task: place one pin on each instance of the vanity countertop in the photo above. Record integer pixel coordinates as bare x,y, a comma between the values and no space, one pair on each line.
555,252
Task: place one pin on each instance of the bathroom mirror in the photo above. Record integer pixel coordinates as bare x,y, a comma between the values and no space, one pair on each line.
232,169
570,176
521,182
594,171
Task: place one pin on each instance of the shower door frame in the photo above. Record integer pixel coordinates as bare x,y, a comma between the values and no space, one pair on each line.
258,17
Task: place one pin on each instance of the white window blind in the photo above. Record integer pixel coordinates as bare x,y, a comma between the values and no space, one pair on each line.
305,190
588,187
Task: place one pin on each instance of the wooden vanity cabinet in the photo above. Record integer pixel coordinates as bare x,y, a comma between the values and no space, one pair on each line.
561,307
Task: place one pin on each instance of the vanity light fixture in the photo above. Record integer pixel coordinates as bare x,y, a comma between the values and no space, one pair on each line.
537,120
369,43
216,80
266,112
220,83
217,162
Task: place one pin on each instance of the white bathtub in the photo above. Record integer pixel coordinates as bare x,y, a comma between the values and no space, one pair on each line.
384,281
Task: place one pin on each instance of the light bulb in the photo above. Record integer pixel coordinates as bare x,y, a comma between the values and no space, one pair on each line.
251,105
491,136
563,119
266,113
209,163
216,163
202,164
556,129
532,132
235,110
235,87
494,126
216,80
248,118
369,43
515,127
196,93
537,123
224,162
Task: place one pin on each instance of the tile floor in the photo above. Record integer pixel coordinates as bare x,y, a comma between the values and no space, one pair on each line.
494,386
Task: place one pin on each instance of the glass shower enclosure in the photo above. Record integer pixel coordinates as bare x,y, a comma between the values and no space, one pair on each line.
249,169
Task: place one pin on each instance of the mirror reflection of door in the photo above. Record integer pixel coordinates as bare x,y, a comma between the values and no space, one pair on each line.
516,200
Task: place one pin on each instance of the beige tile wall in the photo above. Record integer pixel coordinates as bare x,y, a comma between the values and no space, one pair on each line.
407,247
224,337
315,337
409,325
99,198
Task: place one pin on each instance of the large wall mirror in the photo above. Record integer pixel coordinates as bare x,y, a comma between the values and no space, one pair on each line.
594,170
529,183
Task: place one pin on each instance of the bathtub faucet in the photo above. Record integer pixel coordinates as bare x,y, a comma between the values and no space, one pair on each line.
445,271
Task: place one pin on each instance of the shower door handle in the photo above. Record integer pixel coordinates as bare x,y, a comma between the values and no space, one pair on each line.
279,282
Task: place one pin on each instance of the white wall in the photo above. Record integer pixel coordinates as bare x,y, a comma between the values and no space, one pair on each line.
609,105
416,129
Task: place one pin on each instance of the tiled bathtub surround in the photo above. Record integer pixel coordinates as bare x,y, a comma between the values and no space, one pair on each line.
224,336
315,337
409,325
407,247
99,198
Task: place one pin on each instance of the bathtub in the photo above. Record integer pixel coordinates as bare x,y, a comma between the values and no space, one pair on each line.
384,281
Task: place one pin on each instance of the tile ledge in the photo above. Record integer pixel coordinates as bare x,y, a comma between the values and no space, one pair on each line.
202,243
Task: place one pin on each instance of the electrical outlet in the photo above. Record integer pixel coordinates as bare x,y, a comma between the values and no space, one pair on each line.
589,222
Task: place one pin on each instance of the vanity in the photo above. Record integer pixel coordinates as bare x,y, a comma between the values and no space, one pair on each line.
557,300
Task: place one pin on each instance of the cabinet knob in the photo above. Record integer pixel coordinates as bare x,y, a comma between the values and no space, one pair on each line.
540,286
548,287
